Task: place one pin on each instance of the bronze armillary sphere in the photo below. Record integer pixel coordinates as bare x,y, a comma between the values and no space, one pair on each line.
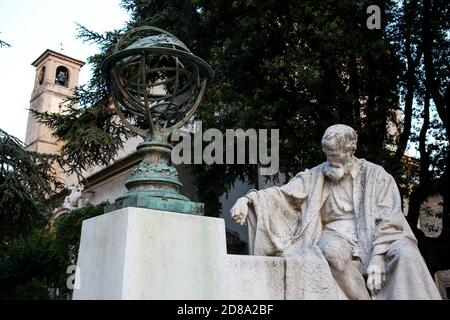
156,79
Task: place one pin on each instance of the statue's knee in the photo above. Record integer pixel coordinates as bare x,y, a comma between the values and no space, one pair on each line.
336,256
403,250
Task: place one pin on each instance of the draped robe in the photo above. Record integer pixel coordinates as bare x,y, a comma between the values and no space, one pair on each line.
286,221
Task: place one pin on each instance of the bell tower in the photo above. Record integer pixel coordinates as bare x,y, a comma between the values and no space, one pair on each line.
56,78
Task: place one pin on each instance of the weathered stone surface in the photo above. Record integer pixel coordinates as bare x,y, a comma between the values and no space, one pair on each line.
255,278
309,278
442,279
301,277
351,209
136,253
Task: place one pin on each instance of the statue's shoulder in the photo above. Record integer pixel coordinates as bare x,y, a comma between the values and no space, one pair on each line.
373,169
311,172
320,168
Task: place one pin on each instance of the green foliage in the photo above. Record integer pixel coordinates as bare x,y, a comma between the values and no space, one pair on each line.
27,188
33,290
29,263
67,229
30,266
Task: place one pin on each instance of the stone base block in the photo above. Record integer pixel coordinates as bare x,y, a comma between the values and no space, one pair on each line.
280,278
255,277
136,253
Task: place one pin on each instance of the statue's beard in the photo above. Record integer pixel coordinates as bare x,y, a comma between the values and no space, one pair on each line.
335,174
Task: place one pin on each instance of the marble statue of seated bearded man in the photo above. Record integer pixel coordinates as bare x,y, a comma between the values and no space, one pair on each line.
351,209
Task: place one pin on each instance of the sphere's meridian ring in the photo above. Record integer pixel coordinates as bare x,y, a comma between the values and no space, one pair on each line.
194,107
126,87
175,88
124,98
205,70
138,131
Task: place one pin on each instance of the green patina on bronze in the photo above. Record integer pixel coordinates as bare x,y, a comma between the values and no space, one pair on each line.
158,80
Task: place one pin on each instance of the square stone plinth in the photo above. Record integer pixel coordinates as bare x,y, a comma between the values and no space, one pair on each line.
136,253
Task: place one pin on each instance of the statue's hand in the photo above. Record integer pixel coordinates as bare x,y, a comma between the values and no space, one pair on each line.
239,211
376,274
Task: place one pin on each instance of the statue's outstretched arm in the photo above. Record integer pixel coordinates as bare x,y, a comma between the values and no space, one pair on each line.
294,192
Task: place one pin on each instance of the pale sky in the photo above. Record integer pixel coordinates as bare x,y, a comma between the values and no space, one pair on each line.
31,27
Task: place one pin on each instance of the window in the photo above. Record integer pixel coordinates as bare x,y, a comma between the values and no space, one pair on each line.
62,76
41,76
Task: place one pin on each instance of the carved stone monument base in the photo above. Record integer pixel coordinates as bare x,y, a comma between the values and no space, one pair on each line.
137,253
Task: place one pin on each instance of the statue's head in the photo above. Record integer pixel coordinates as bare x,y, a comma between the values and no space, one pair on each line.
339,144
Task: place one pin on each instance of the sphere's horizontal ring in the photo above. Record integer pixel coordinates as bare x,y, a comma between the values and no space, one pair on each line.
124,86
139,102
110,61
132,81
133,96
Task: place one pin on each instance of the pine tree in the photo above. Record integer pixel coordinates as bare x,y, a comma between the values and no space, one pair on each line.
28,188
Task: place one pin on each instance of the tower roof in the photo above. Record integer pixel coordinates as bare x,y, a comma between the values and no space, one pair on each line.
49,52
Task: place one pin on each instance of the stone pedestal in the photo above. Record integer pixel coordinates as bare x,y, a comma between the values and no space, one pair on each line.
255,277
279,278
136,253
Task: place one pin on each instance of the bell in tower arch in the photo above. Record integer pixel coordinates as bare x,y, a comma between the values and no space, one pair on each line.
62,76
